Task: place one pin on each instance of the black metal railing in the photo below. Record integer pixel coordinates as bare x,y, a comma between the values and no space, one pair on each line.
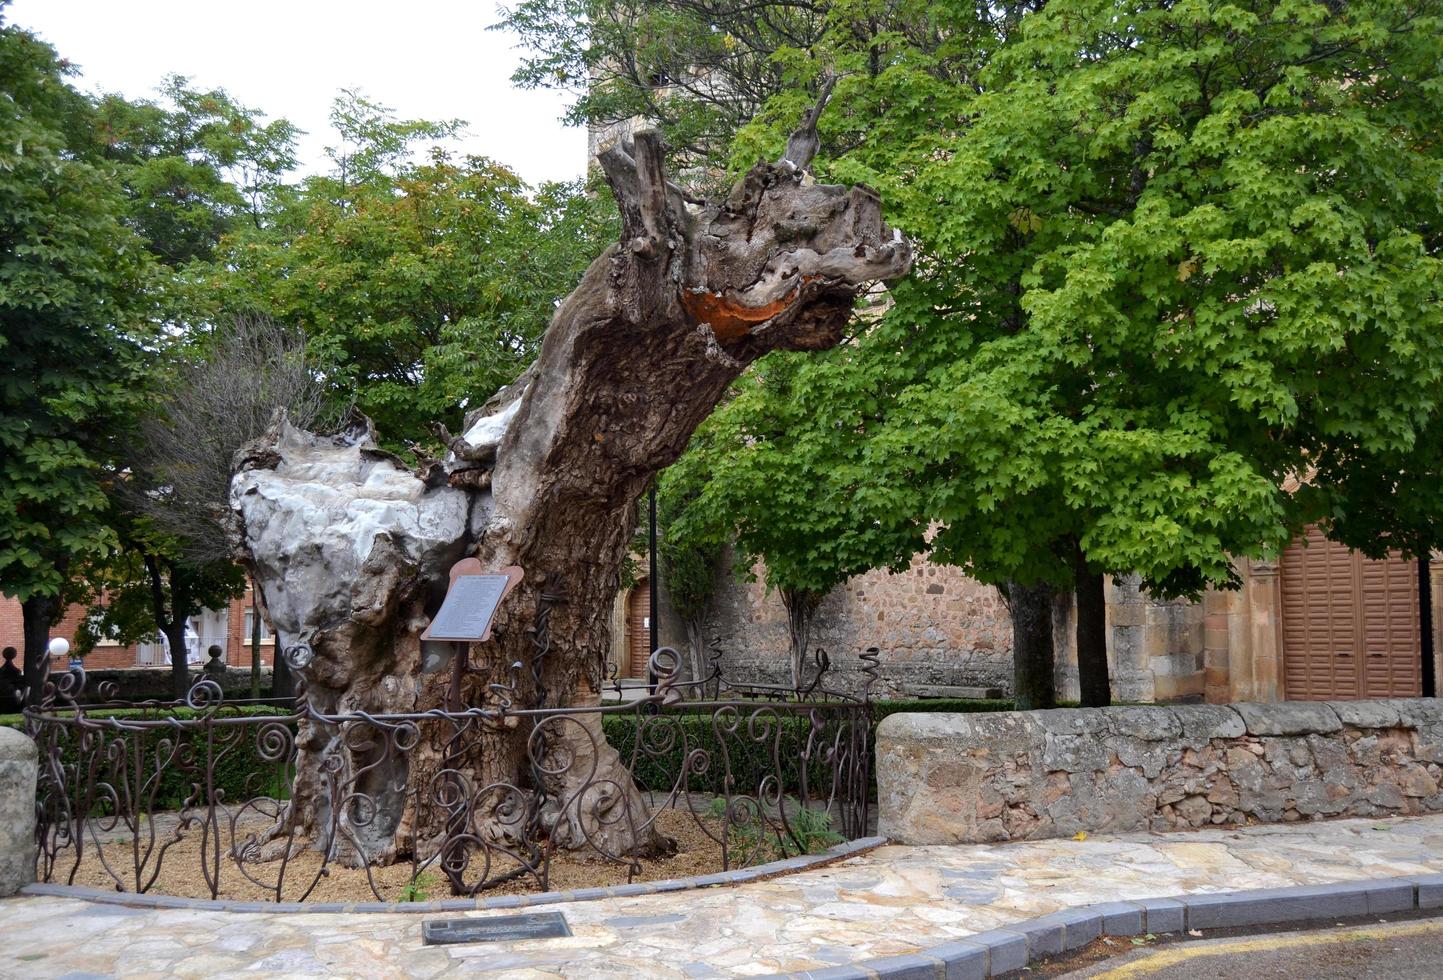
224,798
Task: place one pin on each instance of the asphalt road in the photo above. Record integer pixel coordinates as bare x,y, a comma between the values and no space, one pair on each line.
1409,950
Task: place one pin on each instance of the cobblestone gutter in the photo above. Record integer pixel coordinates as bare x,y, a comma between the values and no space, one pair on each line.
972,778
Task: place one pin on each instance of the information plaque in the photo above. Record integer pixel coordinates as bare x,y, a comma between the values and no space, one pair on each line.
471,602
498,929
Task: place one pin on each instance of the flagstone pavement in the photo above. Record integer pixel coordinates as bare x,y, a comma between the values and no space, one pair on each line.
889,901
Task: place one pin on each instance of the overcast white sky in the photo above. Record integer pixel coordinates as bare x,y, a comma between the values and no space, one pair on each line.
430,59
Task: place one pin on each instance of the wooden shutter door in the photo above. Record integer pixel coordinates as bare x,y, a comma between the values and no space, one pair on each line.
1351,627
1391,644
638,633
1320,620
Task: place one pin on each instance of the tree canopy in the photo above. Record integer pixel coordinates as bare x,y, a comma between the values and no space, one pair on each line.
422,285
1174,262
73,279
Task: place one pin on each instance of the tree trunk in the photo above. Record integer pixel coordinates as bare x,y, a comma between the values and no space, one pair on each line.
1092,672
39,613
179,665
801,606
352,547
696,649
1030,606
171,622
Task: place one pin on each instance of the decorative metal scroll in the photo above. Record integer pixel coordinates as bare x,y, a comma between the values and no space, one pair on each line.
131,794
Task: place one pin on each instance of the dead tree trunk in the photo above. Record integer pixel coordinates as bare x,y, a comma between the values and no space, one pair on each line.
351,547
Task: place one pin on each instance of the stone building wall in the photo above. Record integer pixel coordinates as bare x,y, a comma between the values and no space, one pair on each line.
1155,647
936,629
970,778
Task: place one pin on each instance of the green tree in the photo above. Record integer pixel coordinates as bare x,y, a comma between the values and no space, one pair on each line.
422,286
1172,258
695,69
148,585
195,165
73,285
690,541
791,492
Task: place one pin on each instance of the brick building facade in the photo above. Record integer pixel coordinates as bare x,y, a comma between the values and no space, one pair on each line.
228,628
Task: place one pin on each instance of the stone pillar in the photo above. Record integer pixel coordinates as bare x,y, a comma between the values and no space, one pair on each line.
18,767
1259,677
1129,616
1219,609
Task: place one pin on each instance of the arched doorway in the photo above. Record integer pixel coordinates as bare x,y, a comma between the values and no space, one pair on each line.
638,629
1350,625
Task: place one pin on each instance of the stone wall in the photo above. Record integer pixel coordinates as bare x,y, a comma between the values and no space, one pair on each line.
1154,646
967,778
936,629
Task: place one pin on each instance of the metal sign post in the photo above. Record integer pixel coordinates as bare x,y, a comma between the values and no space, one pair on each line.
467,612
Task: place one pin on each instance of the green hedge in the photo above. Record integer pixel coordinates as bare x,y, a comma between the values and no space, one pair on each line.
773,747
237,769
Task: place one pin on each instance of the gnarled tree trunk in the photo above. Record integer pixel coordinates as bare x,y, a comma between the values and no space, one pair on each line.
351,548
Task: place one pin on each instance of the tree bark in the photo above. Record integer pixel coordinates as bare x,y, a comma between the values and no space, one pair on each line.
38,614
696,647
801,606
547,477
171,622
1092,671
1030,606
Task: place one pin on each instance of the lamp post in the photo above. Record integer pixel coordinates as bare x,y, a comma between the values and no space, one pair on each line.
651,578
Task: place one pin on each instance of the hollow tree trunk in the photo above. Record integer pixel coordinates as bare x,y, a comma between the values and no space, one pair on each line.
352,547
1030,607
1092,673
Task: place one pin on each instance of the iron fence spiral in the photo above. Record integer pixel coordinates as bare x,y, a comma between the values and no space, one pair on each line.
281,796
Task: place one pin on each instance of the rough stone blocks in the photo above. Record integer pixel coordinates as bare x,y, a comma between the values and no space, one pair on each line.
973,778
18,766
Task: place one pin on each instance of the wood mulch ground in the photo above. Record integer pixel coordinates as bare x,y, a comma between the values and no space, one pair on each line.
178,872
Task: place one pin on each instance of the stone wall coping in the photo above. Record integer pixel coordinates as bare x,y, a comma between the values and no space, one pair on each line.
849,849
1013,947
1158,722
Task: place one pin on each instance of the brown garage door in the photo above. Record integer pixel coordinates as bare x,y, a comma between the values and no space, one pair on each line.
638,634
1350,624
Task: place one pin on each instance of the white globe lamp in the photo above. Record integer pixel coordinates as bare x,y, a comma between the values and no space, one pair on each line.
59,646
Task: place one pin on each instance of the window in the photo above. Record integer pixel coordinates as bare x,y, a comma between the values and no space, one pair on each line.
246,632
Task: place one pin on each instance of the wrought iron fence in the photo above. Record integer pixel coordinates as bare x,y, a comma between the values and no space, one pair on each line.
202,796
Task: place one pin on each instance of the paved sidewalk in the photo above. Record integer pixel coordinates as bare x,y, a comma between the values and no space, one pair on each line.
893,900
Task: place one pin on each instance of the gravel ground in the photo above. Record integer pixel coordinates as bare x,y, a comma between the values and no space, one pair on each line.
175,868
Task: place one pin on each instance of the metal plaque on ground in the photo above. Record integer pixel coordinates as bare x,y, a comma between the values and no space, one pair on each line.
471,602
496,929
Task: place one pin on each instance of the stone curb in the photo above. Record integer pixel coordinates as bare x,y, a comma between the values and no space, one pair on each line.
804,862
1013,947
